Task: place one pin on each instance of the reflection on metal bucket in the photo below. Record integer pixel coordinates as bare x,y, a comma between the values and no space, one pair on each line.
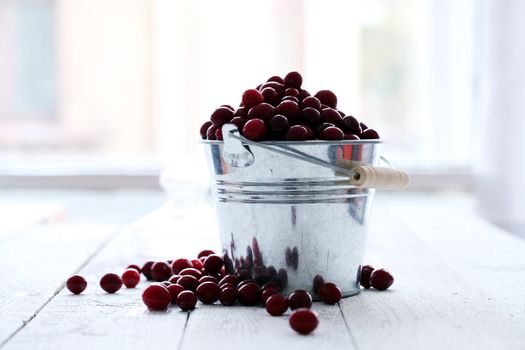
282,219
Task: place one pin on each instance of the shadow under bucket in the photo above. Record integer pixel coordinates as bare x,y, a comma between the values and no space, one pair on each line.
285,219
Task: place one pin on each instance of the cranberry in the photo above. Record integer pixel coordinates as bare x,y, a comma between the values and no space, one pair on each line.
278,123
297,133
276,305
228,296
351,137
243,282
300,299
290,98
239,122
330,293
227,285
278,87
327,97
146,269
174,290
270,96
228,279
303,321
156,297
221,116
292,92
363,126
186,300
369,134
310,135
311,116
130,278
241,112
303,94
262,111
189,282
136,267
197,264
76,284
272,285
268,292
312,102
323,126
218,134
351,125
317,283
276,79
289,109
366,272
204,129
249,294
208,279
210,134
293,79
330,115
254,129
191,271
332,133
213,264
179,265
166,283
208,292
111,282
160,271
244,275
229,107
174,279
251,98
381,279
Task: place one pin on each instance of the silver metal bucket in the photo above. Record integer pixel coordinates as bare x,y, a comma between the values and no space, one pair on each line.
288,220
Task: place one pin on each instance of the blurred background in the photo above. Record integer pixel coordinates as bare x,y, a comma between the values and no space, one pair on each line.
105,94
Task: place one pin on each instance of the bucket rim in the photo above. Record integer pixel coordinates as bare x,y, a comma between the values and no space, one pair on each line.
308,142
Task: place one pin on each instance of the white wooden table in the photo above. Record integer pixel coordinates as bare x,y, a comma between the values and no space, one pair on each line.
460,284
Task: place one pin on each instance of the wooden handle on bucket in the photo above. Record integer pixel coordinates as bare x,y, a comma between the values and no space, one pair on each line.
378,177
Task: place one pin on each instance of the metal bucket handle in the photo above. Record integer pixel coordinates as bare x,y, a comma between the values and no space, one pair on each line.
238,154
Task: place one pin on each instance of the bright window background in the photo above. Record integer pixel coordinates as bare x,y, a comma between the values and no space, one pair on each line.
132,81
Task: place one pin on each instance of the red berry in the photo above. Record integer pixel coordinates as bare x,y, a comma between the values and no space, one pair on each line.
300,299
276,305
239,122
310,135
208,292
208,279
363,126
175,290
278,123
381,279
303,94
327,97
241,112
130,278
197,264
213,263
330,293
268,292
174,279
191,271
111,282
179,265
251,98
330,115
292,92
204,129
332,133
160,271
156,297
293,79
303,321
186,300
146,270
276,79
262,111
270,96
228,296
311,116
369,134
289,109
272,285
278,87
136,267
254,129
228,279
290,98
189,282
76,284
312,102
249,294
221,116
297,133
204,253
317,283
366,272
218,134
351,137
351,125
210,133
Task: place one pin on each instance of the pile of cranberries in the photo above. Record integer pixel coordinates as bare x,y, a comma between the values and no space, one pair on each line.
183,282
281,110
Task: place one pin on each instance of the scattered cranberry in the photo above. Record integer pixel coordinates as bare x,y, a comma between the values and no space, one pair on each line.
300,299
293,79
366,272
175,290
191,271
179,265
208,279
229,279
251,98
111,282
254,129
268,292
381,279
156,297
297,133
317,282
303,321
174,279
189,282
160,271
131,278
186,300
332,133
166,283
327,97
197,264
76,284
208,292
249,294
221,115
263,111
136,267
213,263
369,134
330,293
226,285
228,296
276,305
146,270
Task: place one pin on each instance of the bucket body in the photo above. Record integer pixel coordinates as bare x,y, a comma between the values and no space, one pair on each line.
282,219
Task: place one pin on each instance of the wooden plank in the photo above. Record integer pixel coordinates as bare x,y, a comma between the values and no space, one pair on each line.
433,304
35,265
96,319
